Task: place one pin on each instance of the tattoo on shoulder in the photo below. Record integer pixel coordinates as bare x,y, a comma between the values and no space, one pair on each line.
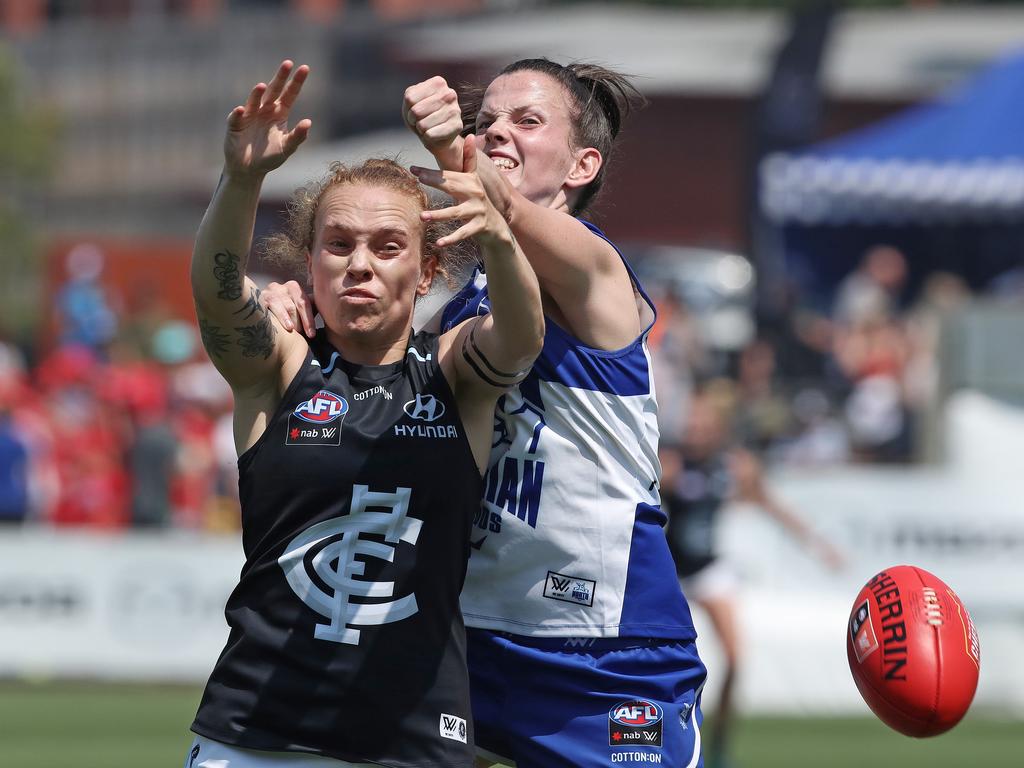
227,275
214,339
252,306
257,340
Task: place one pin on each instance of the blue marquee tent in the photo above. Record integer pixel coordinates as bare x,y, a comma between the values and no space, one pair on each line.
943,181
960,158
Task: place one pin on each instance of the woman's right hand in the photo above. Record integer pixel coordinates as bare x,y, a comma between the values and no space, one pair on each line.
258,139
431,109
290,304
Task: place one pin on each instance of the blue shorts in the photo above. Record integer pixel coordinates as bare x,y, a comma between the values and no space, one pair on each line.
586,702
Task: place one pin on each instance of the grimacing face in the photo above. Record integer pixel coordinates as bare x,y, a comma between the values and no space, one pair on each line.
525,123
366,263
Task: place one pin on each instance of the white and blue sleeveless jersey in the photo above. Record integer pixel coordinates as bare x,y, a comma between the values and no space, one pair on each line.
569,540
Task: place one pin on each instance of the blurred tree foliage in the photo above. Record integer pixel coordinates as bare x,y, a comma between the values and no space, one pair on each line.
27,142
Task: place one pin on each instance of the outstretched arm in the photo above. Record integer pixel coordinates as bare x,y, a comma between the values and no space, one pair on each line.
751,486
484,356
498,349
238,333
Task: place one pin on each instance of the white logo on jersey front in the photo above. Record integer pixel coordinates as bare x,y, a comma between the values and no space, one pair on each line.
425,408
322,407
420,358
337,542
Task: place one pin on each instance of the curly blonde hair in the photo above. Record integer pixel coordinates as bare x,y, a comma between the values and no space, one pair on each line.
288,248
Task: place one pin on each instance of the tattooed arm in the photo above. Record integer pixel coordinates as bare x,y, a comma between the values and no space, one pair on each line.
240,336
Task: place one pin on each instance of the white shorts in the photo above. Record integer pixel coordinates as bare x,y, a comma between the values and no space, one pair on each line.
207,753
715,581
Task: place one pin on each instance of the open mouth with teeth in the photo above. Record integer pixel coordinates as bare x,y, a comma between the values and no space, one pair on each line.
504,163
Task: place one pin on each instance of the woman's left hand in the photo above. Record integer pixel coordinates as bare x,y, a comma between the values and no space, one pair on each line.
481,219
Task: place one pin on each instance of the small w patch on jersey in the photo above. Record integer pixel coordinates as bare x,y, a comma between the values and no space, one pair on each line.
569,589
453,727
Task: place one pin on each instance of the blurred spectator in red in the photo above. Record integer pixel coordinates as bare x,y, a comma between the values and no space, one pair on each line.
88,444
873,355
136,390
871,350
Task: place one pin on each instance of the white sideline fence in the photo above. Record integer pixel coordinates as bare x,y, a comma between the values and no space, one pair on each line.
149,607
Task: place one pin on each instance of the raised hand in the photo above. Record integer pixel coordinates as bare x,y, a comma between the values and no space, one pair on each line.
481,219
431,109
258,139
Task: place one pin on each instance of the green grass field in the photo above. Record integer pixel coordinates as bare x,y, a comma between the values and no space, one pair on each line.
113,726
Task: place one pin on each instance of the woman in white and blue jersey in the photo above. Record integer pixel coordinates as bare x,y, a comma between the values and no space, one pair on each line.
580,643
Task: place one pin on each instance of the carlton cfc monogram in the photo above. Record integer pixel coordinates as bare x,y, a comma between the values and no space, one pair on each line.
329,549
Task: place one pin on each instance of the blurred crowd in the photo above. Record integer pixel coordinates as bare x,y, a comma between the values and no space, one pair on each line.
124,422
852,383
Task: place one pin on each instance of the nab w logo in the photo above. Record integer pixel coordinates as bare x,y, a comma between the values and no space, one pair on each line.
321,408
329,549
424,408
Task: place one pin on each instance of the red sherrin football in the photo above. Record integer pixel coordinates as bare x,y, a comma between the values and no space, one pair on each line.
913,651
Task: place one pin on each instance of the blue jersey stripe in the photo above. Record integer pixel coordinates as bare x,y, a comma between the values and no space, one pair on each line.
563,361
651,586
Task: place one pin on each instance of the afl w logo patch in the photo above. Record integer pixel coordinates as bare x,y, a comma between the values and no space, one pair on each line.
424,408
320,564
635,723
569,589
317,421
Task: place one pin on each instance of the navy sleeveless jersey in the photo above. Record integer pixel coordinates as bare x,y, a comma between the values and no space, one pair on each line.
346,637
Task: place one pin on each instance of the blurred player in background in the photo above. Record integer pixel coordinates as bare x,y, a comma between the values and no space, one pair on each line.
367,442
579,634
702,473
